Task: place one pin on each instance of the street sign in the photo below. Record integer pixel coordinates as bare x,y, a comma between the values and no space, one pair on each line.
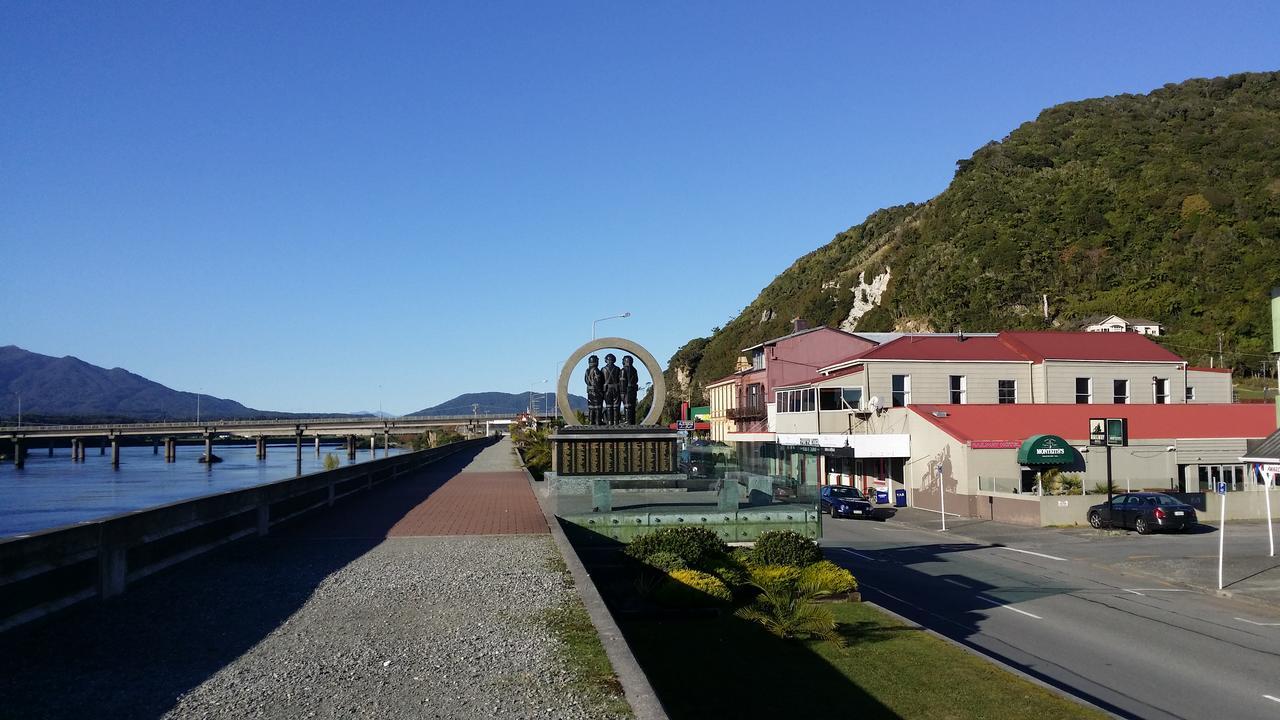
684,424
1097,431
1222,488
1117,432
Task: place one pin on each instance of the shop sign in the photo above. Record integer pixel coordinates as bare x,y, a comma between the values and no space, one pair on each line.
994,444
1098,431
1044,450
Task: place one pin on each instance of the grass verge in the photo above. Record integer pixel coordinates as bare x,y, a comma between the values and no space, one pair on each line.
580,648
726,667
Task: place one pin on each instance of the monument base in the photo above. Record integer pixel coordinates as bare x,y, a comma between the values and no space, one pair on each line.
610,450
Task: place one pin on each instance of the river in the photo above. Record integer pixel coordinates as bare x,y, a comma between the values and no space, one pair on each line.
53,491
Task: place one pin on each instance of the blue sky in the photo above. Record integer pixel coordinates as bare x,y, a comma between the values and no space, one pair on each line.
319,206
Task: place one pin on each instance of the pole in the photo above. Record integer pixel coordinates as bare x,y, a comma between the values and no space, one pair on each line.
1111,521
942,496
1271,537
1222,534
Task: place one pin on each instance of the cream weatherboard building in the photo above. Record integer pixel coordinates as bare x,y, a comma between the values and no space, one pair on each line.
858,421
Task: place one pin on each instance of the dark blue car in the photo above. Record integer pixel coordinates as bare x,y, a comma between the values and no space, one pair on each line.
843,501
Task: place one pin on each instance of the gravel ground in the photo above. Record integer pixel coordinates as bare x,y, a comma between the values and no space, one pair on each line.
402,632
303,627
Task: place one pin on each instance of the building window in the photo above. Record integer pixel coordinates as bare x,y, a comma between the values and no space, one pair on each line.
840,398
1162,391
901,390
795,401
1084,391
959,389
755,396
1191,394
1120,392
1006,392
757,359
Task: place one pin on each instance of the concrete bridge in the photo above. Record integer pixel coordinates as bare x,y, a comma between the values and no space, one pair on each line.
260,430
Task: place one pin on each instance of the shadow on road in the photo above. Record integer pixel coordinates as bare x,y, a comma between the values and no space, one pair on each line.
954,605
135,655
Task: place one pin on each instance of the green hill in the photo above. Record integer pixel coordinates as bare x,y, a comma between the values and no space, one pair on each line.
1164,206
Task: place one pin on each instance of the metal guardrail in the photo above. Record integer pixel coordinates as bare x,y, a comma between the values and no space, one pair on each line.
213,425
43,572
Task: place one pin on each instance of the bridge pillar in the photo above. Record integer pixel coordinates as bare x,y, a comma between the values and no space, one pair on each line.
298,458
75,449
18,460
317,446
102,448
115,451
386,443
51,447
373,446
351,447
170,450
155,446
208,451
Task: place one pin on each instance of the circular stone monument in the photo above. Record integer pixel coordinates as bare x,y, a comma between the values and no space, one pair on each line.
650,364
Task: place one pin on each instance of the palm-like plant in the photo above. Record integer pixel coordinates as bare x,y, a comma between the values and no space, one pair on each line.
786,607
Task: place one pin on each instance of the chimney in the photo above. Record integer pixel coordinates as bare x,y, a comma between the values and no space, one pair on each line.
743,364
798,324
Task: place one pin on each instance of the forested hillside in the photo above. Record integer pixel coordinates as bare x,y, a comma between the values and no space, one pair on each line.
1164,206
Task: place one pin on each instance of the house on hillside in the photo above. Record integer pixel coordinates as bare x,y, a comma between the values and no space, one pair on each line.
1115,323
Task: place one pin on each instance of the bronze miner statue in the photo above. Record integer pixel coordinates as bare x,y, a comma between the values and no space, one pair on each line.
595,390
630,387
612,389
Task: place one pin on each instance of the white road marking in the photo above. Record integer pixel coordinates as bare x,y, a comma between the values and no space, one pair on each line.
864,557
1008,607
1156,590
1251,622
1028,552
1135,592
956,582
1271,697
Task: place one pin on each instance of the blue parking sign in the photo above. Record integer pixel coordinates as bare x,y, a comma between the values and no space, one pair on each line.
1222,488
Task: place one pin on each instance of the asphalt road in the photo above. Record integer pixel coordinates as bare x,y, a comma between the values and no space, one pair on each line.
1127,643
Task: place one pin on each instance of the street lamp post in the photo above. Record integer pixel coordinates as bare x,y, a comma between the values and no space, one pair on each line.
611,317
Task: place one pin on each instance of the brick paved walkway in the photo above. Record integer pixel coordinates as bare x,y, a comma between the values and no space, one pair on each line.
468,494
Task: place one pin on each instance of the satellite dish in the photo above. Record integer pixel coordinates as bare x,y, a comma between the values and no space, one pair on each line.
874,402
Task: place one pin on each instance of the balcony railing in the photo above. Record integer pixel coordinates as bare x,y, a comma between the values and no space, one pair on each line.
747,412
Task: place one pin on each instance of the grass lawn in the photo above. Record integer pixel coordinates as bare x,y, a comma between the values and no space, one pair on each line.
580,647
727,667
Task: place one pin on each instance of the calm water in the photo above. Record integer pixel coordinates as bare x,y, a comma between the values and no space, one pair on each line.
53,491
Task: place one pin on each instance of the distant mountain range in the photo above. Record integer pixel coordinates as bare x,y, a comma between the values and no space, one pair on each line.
69,389
498,403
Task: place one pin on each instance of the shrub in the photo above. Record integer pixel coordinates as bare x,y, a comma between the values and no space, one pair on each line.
784,547
690,588
331,462
666,561
768,577
728,568
827,578
692,544
785,606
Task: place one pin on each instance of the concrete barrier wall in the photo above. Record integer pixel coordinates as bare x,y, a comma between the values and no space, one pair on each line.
48,571
1067,509
1240,506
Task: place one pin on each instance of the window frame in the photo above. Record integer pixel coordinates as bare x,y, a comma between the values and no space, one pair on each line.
1000,388
1116,397
1156,396
899,398
958,395
1088,392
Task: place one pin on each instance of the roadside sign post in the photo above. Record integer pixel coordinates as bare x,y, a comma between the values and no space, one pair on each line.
1107,432
1269,474
1222,526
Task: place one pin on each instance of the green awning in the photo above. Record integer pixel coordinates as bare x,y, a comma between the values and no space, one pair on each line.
1045,450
